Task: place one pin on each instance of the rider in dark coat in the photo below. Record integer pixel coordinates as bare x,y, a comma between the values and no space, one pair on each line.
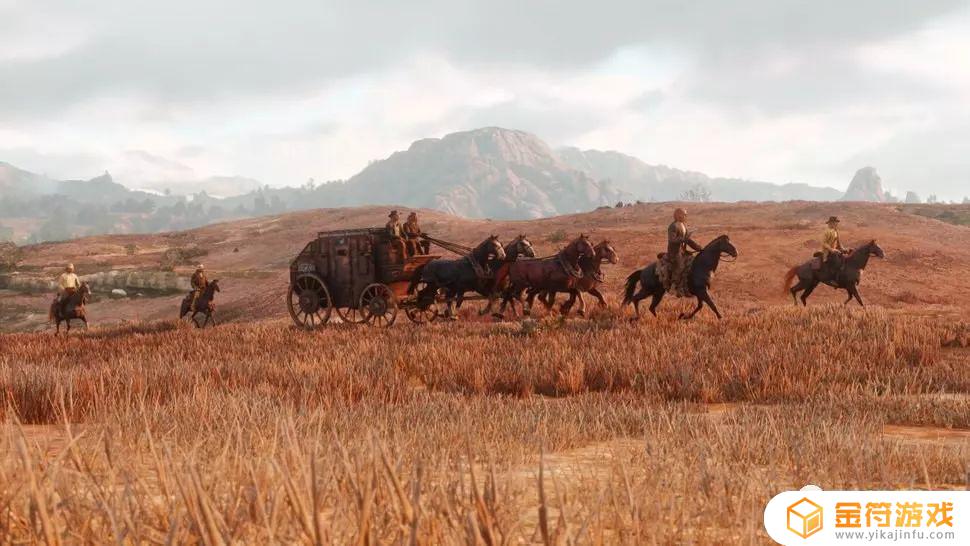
675,262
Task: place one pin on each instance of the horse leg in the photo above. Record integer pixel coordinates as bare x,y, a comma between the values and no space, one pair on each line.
854,293
657,298
598,295
808,292
194,321
688,316
710,303
795,290
568,304
58,331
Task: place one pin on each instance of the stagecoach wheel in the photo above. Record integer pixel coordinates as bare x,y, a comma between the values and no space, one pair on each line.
379,305
424,309
309,302
351,315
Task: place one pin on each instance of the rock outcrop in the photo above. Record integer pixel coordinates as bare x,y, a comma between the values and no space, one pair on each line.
913,198
866,185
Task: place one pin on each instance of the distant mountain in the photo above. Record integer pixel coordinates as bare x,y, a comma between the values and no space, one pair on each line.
16,182
866,185
662,183
485,173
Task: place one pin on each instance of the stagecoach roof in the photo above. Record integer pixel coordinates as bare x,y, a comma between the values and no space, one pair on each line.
349,232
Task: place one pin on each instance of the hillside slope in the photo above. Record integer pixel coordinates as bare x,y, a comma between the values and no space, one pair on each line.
924,270
662,183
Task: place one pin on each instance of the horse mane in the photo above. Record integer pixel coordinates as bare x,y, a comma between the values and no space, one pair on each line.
717,239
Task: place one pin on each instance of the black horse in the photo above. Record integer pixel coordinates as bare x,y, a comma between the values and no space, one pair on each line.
520,247
698,279
472,273
71,309
205,304
847,277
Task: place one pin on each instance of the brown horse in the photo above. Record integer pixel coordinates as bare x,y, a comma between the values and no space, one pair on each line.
593,276
559,272
71,309
205,304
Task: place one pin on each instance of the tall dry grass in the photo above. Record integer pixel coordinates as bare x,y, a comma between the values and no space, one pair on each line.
266,434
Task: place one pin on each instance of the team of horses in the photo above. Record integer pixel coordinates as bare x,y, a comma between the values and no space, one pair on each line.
514,276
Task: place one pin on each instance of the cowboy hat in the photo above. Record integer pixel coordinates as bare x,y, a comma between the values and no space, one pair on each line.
392,214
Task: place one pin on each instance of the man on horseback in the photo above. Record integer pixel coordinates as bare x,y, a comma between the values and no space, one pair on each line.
199,284
829,260
675,263
68,284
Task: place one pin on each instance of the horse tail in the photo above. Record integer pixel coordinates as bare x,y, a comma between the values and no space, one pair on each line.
631,286
789,277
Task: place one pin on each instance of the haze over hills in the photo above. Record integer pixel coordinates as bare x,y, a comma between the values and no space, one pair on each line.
483,173
662,183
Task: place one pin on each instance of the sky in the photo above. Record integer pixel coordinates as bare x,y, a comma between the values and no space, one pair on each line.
775,90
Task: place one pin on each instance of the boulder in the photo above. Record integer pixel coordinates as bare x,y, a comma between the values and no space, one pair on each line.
118,293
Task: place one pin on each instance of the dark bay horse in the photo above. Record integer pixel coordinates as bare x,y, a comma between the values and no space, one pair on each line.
698,279
456,277
847,278
72,309
593,276
520,247
205,304
557,273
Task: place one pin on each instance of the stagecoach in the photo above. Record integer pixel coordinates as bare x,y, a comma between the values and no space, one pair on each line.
362,274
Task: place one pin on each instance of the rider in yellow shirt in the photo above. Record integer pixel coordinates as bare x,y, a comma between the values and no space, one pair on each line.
68,283
831,245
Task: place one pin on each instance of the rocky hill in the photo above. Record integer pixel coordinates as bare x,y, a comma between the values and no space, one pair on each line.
485,173
866,185
662,183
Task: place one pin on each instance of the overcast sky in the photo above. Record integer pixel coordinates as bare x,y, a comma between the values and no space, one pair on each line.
777,90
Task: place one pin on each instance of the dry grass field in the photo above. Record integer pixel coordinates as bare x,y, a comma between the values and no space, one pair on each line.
563,431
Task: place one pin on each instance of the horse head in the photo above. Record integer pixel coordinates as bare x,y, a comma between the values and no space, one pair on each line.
521,246
582,246
723,245
490,248
214,284
83,292
875,249
606,253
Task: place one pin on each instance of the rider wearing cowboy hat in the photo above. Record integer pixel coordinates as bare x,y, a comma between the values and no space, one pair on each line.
68,283
199,283
832,249
396,233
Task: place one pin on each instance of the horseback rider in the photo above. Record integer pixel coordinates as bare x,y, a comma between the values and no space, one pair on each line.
396,233
199,284
68,284
412,236
673,272
830,257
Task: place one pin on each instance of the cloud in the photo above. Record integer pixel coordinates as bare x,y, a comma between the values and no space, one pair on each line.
774,89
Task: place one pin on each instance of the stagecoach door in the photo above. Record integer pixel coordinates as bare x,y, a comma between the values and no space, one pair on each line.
352,270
